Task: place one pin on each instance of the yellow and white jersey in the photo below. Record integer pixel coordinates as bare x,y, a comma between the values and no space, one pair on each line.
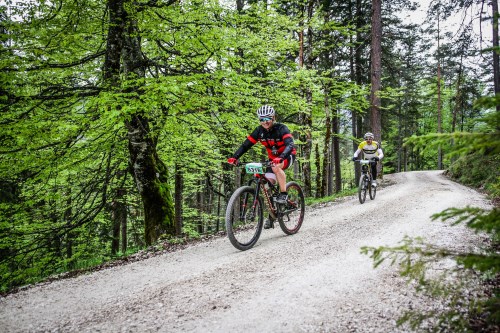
370,150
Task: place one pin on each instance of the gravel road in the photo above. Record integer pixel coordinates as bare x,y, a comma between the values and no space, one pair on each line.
314,281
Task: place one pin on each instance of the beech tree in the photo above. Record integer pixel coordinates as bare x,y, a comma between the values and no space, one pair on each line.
121,86
118,117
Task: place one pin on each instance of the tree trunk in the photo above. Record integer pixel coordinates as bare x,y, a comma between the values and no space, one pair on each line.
178,199
111,68
327,160
151,178
440,154
200,199
306,119
496,66
458,97
115,239
148,171
318,173
336,151
376,68
70,235
306,137
124,231
114,46
119,213
357,76
400,139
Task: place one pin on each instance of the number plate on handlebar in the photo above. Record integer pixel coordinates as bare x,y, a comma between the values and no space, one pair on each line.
254,168
364,161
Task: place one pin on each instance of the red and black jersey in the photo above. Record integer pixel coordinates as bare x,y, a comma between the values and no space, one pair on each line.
278,141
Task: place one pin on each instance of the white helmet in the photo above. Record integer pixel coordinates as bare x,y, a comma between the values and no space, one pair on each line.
265,111
369,135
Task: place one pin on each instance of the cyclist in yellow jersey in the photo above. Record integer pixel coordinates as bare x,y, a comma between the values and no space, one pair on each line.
372,150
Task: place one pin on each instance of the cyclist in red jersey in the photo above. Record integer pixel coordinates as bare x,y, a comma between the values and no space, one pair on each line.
278,140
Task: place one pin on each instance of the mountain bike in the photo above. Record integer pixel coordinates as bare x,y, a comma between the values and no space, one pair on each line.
245,208
365,180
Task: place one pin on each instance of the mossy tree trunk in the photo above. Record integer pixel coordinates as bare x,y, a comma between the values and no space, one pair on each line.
150,174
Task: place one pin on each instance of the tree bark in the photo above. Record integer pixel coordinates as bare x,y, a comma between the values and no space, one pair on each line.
318,173
439,120
306,119
151,178
306,137
119,213
327,160
124,231
496,66
200,199
336,151
111,69
376,68
179,186
458,97
357,75
124,55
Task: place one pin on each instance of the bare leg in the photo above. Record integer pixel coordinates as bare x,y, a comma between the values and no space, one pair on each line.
280,176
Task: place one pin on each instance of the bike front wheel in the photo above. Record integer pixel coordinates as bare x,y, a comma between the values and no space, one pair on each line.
292,212
244,217
373,191
363,184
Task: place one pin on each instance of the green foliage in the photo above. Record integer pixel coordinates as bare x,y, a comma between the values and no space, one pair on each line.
415,259
190,232
64,137
478,170
475,161
64,127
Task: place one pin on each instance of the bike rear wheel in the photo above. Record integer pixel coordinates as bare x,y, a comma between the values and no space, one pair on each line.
292,212
244,217
363,184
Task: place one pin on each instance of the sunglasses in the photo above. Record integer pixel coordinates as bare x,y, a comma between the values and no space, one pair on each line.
264,119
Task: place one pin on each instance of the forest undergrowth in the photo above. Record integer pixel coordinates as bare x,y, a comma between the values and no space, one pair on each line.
466,310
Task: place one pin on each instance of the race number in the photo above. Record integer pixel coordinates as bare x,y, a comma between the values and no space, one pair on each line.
254,168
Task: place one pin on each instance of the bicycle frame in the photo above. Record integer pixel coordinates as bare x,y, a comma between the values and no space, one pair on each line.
244,213
275,210
365,180
366,168
260,182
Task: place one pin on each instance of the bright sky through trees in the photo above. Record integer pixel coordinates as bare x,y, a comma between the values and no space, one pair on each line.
476,14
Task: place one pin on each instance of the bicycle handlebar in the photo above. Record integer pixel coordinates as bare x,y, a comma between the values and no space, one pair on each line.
264,163
371,160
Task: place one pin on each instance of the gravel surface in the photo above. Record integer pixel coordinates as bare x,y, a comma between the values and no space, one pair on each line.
314,281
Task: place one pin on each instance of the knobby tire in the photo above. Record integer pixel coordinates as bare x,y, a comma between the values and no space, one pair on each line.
362,188
294,209
243,221
373,190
